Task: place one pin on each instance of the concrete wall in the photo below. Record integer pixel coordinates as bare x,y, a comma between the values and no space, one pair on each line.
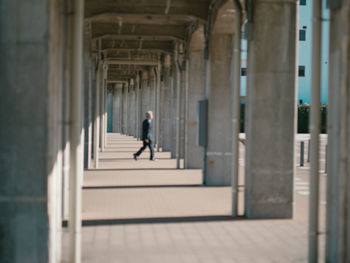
219,157
338,179
271,130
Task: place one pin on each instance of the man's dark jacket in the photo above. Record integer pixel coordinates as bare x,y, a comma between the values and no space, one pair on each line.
147,130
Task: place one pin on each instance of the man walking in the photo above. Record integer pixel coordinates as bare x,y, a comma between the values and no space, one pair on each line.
147,137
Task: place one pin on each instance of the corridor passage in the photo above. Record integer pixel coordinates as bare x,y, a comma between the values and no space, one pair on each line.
143,211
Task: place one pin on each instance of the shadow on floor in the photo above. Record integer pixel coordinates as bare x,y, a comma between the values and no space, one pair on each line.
150,186
125,221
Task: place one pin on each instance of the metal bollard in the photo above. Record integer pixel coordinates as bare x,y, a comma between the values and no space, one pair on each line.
308,150
301,153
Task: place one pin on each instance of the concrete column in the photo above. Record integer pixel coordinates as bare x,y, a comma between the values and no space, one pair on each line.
106,113
91,87
173,77
338,179
183,87
121,108
93,107
158,113
66,123
196,92
117,108
76,133
131,105
97,114
134,110
270,110
219,150
109,124
144,97
87,104
125,102
165,108
30,156
152,96
129,110
103,106
137,106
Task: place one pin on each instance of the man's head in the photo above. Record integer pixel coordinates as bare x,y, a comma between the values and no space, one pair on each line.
149,115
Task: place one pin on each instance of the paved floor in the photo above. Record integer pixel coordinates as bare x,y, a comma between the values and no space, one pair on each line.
142,211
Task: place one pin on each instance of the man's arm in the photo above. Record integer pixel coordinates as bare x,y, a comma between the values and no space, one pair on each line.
145,127
149,131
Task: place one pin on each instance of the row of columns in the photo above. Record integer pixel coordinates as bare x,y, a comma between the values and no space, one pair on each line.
172,94
270,130
42,137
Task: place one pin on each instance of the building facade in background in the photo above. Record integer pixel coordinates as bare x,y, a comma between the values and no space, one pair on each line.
305,52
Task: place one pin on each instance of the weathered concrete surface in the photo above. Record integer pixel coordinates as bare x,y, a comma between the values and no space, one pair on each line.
182,110
271,130
165,108
196,92
338,179
219,156
173,111
30,133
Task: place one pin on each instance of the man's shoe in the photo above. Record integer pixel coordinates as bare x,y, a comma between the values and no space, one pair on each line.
135,156
154,159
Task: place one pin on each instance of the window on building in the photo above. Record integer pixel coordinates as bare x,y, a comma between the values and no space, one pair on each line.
302,35
301,71
243,71
302,2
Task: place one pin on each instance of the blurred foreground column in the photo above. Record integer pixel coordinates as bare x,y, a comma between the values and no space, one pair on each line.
338,179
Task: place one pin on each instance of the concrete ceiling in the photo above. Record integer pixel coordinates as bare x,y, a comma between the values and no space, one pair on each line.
139,30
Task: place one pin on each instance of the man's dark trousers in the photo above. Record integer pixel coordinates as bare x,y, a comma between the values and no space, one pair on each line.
147,138
145,144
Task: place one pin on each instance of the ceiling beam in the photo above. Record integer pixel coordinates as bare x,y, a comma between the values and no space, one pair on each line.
132,62
134,44
145,19
164,51
140,37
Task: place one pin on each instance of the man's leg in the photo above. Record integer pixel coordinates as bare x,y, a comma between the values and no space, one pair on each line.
150,145
141,149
